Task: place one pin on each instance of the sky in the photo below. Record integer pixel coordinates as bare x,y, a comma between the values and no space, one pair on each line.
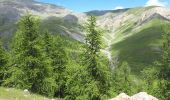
88,5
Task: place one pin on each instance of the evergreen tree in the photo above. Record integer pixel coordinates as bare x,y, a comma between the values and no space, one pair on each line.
60,61
78,83
164,74
149,76
122,79
96,70
29,69
3,63
48,43
55,52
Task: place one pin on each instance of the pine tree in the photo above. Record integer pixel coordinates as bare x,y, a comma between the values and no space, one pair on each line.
149,75
96,70
122,79
47,43
60,61
164,73
93,42
3,63
55,52
29,69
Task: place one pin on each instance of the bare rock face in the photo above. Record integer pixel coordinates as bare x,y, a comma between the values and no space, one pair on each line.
139,96
142,96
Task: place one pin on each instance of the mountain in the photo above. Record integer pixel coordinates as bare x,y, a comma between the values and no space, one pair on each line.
133,34
64,19
103,12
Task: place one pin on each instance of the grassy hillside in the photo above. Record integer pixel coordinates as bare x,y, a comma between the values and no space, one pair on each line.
14,94
55,25
61,25
142,48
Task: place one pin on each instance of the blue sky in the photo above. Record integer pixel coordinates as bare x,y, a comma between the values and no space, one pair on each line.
88,5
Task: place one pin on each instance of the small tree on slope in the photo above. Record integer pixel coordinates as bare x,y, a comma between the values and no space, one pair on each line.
96,70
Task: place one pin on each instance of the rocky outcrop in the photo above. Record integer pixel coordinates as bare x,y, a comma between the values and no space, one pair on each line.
122,96
139,96
143,96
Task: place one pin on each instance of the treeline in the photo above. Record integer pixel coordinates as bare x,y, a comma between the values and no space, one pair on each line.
41,62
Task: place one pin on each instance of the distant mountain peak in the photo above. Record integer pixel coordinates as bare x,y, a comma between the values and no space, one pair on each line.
34,7
103,12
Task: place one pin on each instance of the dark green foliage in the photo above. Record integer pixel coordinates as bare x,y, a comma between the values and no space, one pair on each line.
77,83
3,63
55,52
164,64
149,76
80,85
59,65
40,63
29,69
122,79
93,46
97,71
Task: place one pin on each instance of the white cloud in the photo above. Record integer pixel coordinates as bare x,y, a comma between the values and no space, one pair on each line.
119,7
155,3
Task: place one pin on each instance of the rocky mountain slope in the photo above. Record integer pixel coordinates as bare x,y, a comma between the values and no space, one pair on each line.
133,34
12,10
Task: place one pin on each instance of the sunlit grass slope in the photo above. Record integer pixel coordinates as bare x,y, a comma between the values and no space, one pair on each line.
141,48
14,94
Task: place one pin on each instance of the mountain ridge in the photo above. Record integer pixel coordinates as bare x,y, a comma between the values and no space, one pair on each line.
107,18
